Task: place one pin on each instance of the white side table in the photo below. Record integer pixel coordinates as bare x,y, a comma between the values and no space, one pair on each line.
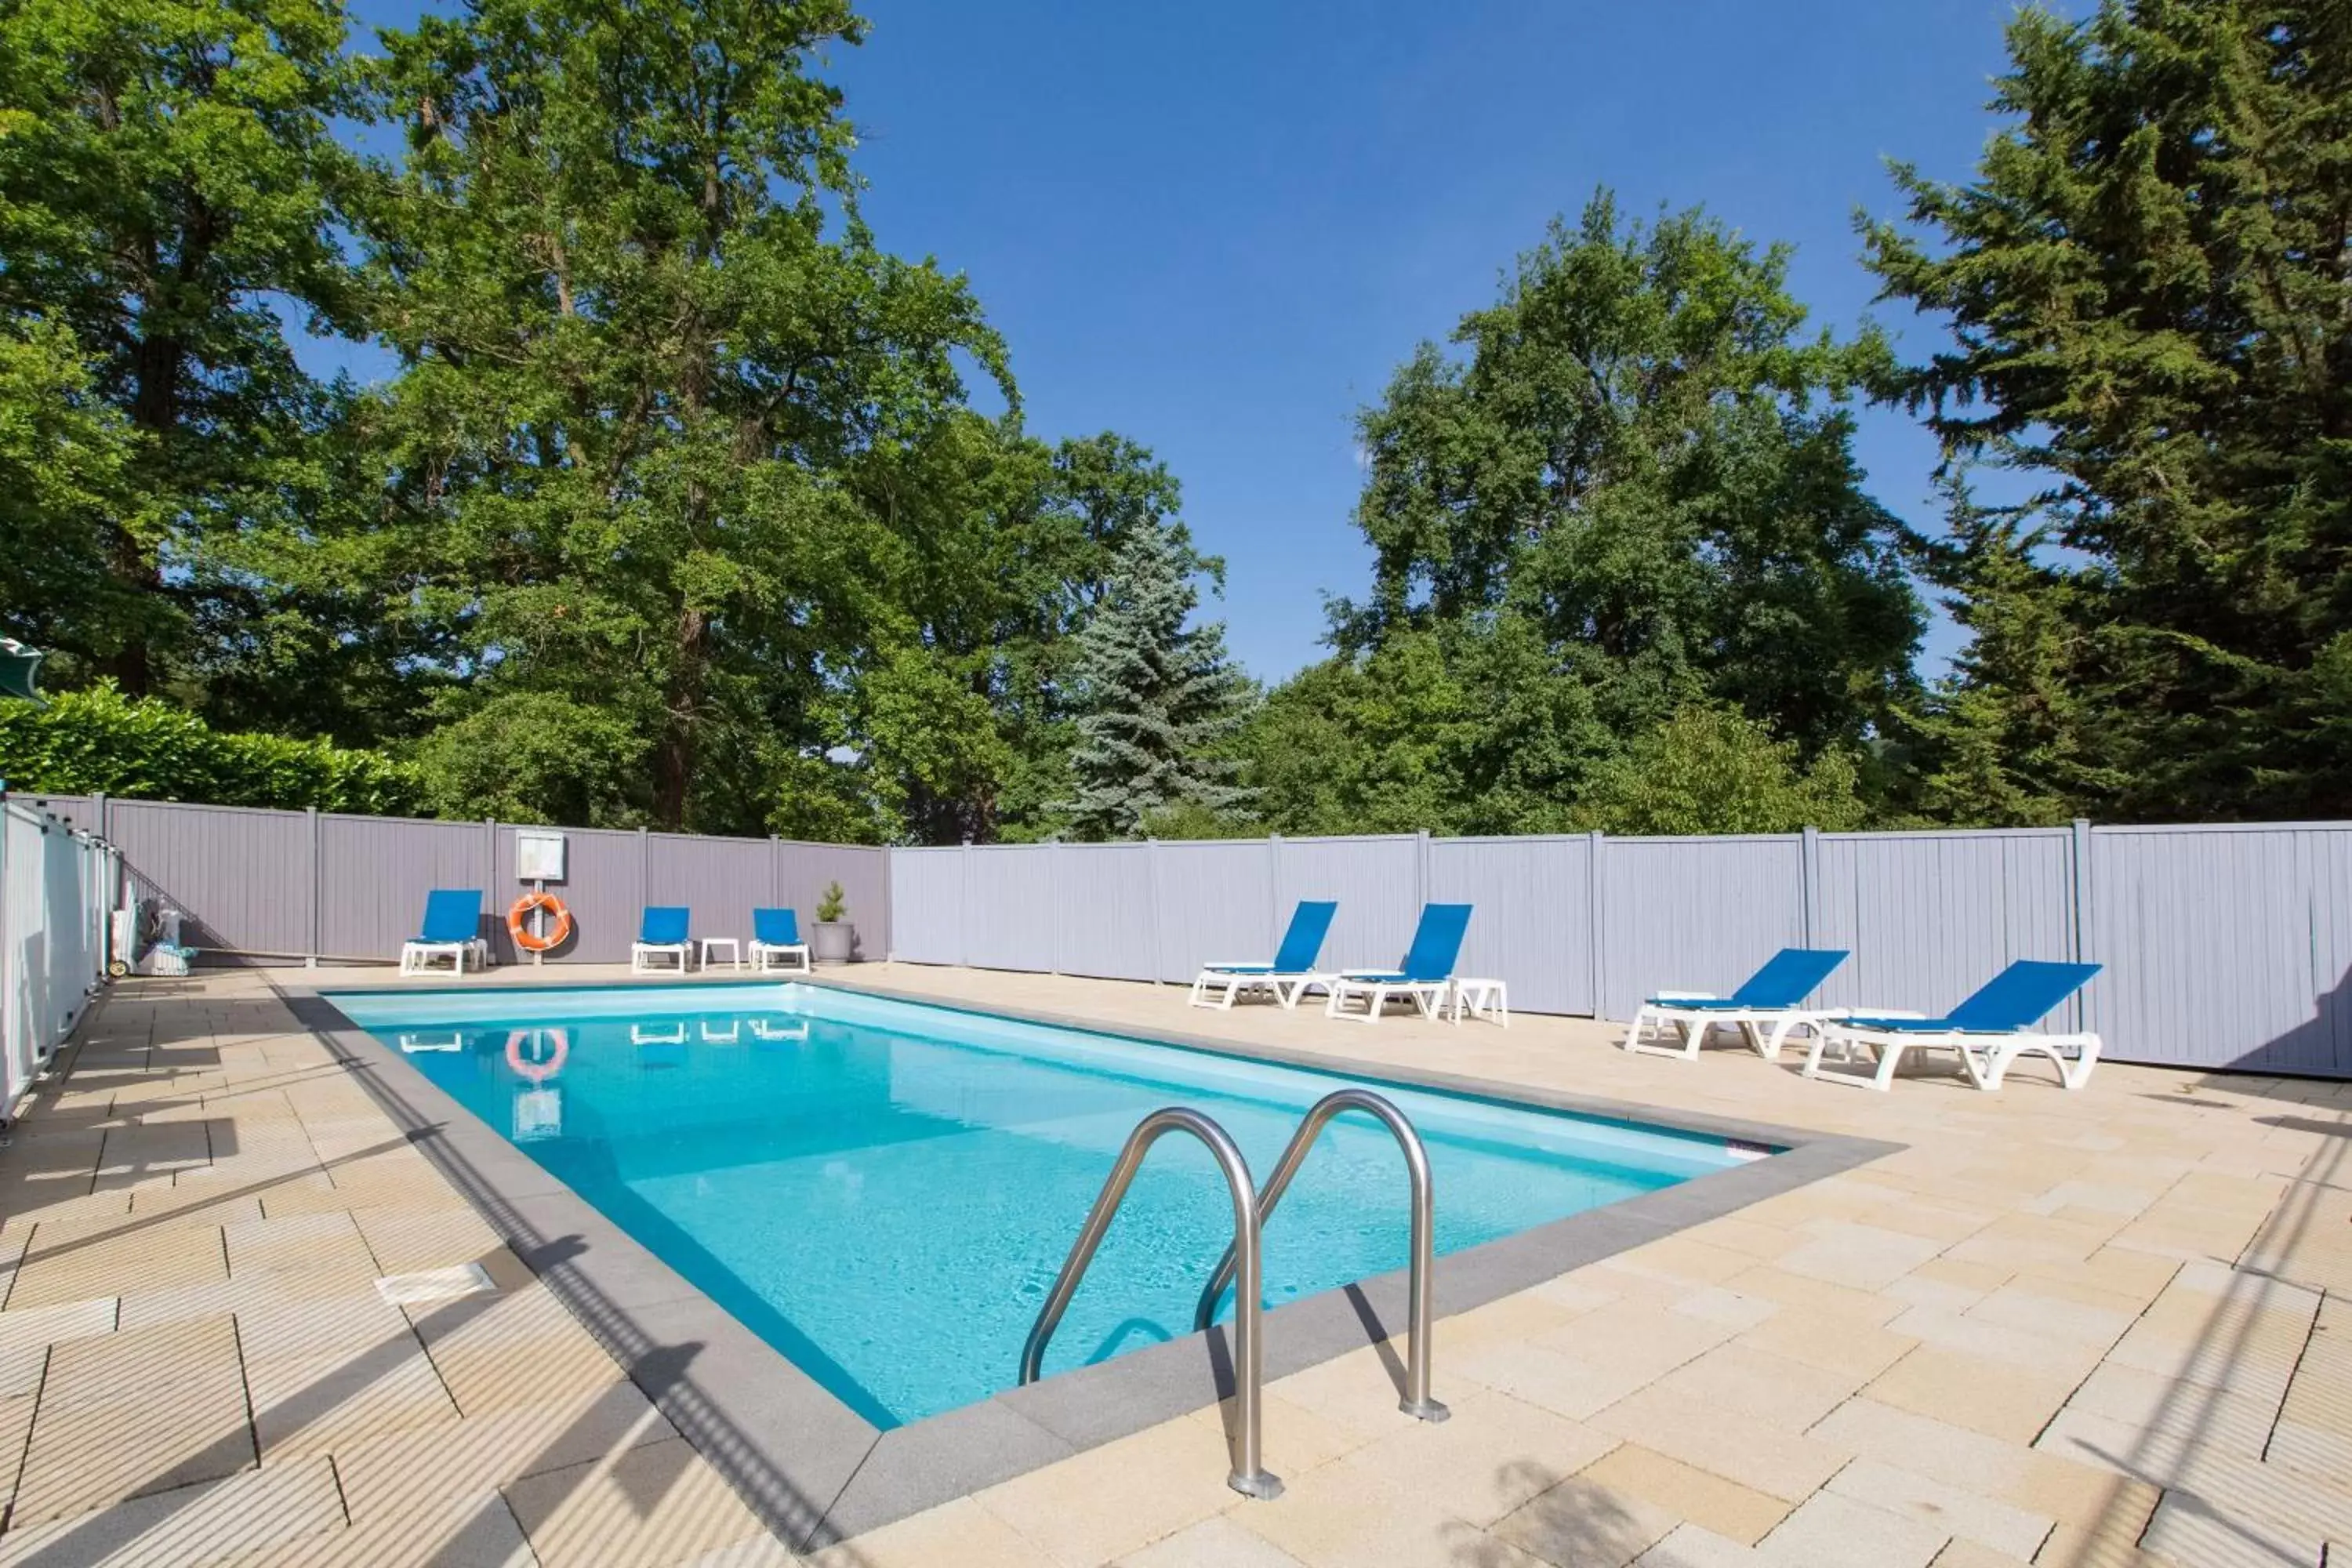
1485,999
734,947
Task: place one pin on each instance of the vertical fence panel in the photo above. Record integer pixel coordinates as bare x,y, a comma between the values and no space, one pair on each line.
2225,945
721,880
1376,882
1103,904
1215,904
1533,924
239,875
1009,918
1932,916
927,905
374,874
1696,914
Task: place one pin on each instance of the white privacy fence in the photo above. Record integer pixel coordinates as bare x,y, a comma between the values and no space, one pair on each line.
56,887
2224,946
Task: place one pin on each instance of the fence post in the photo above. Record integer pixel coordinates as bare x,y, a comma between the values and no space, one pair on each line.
1152,896
1809,871
963,904
1421,866
1273,888
890,904
644,870
1596,942
2080,1008
318,899
1055,862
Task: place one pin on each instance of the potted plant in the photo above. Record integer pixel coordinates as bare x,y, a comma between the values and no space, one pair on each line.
830,939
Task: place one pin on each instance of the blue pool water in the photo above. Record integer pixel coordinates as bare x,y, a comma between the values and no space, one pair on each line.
884,1191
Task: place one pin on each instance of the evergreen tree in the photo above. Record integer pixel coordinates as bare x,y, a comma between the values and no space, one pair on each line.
1155,696
2146,289
2006,740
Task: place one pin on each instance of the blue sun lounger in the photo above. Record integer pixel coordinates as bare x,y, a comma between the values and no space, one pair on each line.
776,940
1988,1032
1765,1008
1426,976
661,933
452,929
1290,972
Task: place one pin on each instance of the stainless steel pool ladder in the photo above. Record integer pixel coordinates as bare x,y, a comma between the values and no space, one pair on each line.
1240,1266
1416,1401
1249,1476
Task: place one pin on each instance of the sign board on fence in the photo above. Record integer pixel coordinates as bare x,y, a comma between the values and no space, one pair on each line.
539,856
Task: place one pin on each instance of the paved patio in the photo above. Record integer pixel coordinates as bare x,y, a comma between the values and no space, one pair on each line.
2107,1328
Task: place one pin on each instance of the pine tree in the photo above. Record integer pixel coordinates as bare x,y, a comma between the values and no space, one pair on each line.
1154,695
2146,289
2008,740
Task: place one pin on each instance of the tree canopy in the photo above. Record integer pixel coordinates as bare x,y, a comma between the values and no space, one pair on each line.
686,501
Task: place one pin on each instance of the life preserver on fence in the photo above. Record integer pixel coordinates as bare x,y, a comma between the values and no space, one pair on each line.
530,941
533,1068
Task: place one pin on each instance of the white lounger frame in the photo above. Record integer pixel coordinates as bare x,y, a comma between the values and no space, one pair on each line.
1766,1030
1376,987
1986,1057
639,952
416,957
774,954
1218,983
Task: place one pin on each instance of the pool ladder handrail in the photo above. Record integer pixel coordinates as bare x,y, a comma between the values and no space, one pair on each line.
1249,1476
1416,1401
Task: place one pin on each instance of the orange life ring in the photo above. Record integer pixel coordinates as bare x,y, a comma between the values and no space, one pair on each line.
537,1071
538,941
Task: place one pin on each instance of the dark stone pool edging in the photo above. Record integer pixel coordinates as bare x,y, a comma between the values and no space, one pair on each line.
817,1472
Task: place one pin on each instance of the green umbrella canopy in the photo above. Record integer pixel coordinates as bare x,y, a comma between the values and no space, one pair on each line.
20,670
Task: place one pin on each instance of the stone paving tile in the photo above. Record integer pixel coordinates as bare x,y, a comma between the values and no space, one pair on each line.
1583,1520
1762,1387
1691,1546
1216,1543
77,1268
1493,1456
1983,1396
649,1505
133,1413
1938,1506
195,1525
1738,1513
1860,1256
456,1530
1832,1530
1338,1517
1122,1496
1755,1455
963,1533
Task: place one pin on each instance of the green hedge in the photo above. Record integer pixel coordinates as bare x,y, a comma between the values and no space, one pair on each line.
143,749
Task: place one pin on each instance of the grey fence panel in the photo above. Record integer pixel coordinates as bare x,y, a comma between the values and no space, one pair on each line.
374,872
603,885
721,880
2224,947
803,871
1216,903
1534,921
1104,909
1378,883
1929,917
1695,914
927,905
1008,912
243,877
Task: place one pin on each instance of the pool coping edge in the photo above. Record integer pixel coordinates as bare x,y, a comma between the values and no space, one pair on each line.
817,1472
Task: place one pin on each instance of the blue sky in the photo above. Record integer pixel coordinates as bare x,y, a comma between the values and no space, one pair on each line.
1217,228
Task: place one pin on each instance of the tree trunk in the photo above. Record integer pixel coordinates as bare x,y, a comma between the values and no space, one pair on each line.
674,758
154,410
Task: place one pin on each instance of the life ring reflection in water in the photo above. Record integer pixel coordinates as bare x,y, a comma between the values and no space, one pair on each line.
530,938
536,1053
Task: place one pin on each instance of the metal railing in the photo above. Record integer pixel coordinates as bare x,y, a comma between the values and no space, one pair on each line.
1416,1401
1249,1476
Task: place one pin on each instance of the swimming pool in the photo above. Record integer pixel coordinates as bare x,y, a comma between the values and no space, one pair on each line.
884,1190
